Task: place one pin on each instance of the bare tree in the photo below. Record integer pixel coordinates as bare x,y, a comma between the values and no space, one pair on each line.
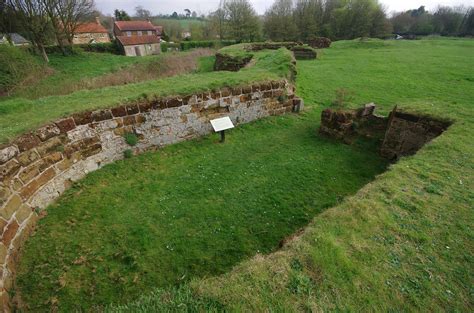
35,20
66,15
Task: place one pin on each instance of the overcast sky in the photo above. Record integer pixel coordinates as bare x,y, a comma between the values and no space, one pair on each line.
204,7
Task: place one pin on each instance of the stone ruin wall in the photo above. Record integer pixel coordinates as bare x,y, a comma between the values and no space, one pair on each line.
39,166
401,134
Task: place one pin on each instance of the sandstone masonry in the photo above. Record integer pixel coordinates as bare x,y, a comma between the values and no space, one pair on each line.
39,166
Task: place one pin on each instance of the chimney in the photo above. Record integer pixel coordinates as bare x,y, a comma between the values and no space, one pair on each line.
97,20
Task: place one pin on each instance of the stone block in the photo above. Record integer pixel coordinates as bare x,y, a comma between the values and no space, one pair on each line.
101,115
129,120
266,86
10,232
145,106
132,109
7,153
52,145
247,89
48,131
3,253
51,159
27,142
174,102
140,118
12,205
64,164
66,125
119,111
256,88
23,213
236,91
82,118
9,169
30,172
28,157
226,92
27,191
4,194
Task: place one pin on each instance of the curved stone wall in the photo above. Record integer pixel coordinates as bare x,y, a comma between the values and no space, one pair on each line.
39,166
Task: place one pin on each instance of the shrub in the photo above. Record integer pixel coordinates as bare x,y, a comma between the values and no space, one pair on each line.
131,139
168,46
343,96
109,47
127,154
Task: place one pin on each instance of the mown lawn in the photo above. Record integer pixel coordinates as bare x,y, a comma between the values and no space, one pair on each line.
191,210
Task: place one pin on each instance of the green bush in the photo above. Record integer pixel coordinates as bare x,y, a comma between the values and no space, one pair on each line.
165,46
109,47
127,154
131,139
15,66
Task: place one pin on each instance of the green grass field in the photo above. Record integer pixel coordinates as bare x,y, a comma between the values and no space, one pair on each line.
403,242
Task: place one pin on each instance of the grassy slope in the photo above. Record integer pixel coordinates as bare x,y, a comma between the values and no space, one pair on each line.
71,69
20,115
192,210
404,241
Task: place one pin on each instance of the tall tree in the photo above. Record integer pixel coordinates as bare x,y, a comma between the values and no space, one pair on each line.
308,15
66,15
467,26
242,20
35,19
278,22
142,13
218,20
121,15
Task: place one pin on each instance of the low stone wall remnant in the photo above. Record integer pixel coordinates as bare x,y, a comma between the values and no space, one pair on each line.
304,53
407,133
39,166
401,134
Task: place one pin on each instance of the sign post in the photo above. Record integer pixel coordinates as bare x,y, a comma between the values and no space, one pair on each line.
221,124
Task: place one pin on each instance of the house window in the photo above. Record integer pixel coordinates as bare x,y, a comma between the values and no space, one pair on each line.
129,34
139,33
150,33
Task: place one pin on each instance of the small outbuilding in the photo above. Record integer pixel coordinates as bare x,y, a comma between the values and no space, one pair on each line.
140,45
13,38
138,38
93,32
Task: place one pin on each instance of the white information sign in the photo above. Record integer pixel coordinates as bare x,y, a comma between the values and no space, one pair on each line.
223,123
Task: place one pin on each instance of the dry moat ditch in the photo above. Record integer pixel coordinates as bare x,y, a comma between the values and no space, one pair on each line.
198,208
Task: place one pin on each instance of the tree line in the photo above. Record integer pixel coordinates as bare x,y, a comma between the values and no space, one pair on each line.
446,21
47,22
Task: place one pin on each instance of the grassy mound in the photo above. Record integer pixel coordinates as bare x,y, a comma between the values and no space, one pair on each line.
403,242
18,67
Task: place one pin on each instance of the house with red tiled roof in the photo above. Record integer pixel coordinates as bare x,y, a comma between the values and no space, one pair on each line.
138,38
92,32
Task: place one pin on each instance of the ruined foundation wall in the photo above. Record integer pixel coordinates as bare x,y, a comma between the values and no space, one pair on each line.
401,133
38,167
